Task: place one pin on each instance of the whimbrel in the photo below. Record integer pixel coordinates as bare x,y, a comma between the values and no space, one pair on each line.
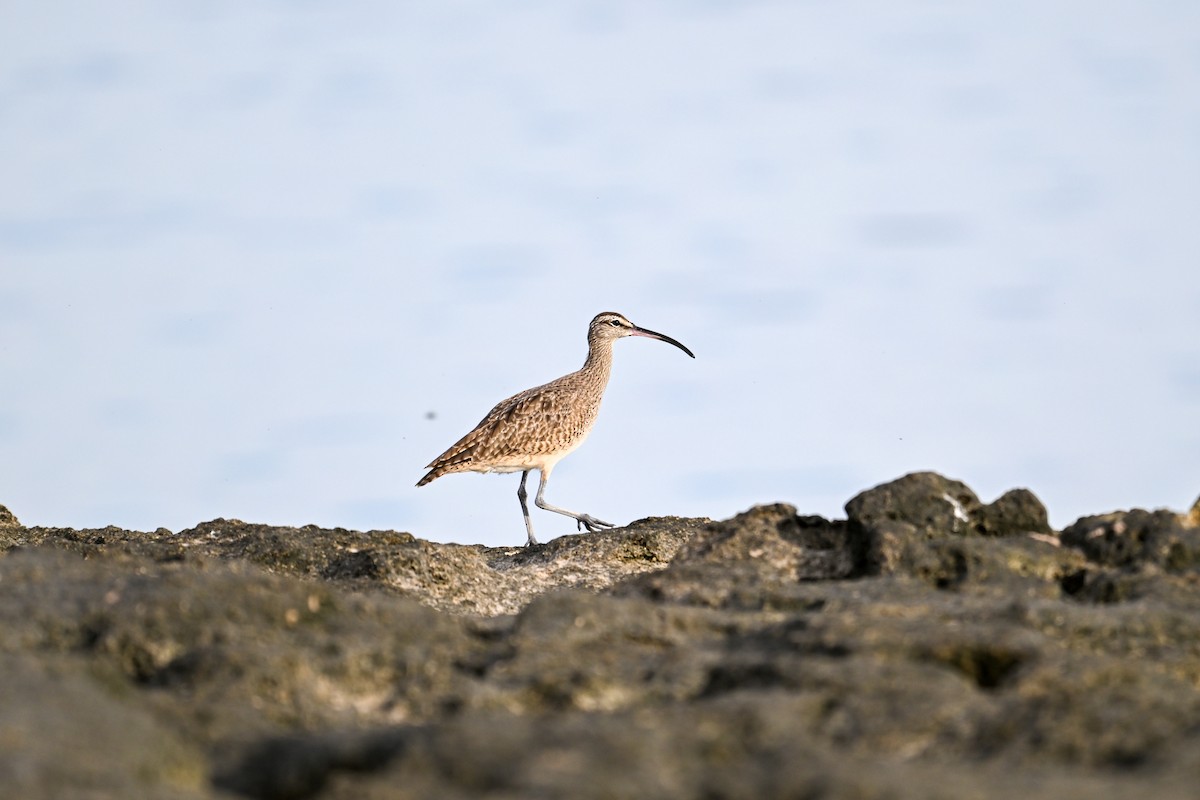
538,427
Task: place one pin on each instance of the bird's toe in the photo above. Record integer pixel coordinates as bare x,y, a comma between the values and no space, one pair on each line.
593,524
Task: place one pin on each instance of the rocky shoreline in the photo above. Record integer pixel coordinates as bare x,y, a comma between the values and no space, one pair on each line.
927,646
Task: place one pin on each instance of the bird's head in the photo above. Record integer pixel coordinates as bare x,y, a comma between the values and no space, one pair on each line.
610,325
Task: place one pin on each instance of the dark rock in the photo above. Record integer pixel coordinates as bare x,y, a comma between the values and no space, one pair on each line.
890,524
934,506
906,652
1100,585
1135,538
1015,511
926,526
298,766
227,650
750,745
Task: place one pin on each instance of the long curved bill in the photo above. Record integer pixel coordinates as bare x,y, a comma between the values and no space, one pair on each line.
662,337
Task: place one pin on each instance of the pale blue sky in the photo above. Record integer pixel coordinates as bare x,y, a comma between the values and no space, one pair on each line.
247,248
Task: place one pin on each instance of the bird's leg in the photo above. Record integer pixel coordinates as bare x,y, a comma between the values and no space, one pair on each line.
521,495
586,520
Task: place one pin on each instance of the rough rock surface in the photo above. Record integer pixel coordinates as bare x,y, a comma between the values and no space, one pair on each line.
927,646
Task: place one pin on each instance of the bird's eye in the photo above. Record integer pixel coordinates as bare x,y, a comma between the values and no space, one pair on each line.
616,323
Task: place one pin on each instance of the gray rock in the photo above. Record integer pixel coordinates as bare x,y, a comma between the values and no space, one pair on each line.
457,578
753,561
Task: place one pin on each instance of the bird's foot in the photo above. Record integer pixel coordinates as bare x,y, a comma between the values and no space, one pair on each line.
591,523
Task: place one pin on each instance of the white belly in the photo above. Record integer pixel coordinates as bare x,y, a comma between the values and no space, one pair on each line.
542,461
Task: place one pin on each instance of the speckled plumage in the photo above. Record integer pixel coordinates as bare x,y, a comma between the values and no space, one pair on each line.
532,427
538,427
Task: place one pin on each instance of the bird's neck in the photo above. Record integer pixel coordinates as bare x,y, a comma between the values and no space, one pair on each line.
599,360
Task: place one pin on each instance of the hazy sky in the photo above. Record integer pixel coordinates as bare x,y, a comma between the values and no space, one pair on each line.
265,260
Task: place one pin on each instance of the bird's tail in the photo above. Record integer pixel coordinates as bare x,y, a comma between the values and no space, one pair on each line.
441,468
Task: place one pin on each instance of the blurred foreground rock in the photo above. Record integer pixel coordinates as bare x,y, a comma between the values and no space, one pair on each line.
928,646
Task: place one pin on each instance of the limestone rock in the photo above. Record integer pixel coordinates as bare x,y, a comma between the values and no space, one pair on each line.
1192,518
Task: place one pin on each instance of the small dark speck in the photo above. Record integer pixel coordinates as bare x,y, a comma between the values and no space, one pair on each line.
430,415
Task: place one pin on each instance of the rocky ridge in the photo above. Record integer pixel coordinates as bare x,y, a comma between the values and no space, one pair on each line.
929,645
